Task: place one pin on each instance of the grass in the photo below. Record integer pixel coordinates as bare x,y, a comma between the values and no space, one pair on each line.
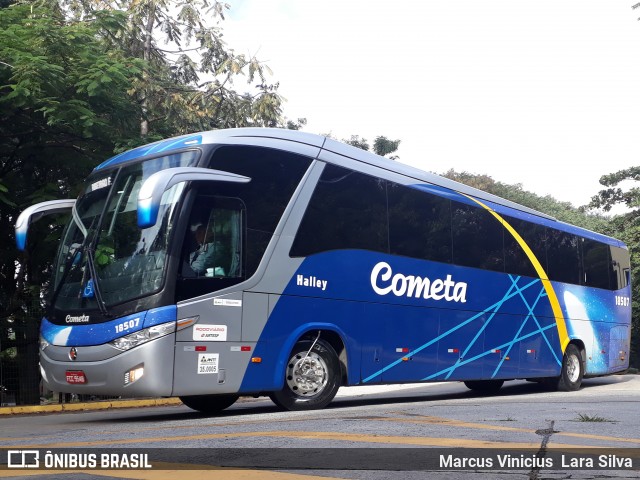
583,417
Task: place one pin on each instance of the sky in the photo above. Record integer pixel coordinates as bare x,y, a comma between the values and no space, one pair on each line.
543,93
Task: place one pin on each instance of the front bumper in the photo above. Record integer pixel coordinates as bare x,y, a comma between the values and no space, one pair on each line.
105,368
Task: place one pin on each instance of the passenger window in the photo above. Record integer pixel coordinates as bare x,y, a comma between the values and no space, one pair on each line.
348,210
419,224
477,238
516,259
596,264
563,255
620,267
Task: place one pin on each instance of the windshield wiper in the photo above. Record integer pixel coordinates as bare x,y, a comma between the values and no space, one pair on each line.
87,250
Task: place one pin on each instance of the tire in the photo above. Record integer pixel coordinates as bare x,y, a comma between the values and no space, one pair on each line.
572,370
484,386
209,403
312,378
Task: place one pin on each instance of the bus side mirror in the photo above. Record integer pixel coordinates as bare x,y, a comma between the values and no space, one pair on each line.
151,191
35,212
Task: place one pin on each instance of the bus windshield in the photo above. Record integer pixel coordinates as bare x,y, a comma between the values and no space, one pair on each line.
128,261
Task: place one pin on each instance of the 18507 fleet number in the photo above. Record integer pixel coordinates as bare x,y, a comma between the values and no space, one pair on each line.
125,326
622,301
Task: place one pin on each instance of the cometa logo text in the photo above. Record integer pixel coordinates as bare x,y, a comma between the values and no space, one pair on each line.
383,282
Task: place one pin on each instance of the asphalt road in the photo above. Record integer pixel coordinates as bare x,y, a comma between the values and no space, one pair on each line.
404,432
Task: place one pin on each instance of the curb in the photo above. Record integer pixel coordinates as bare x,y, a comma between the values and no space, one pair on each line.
86,406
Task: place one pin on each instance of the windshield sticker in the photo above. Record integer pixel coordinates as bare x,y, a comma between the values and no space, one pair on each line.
88,291
105,182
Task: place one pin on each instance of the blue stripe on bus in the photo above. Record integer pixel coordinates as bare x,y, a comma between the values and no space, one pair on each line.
81,335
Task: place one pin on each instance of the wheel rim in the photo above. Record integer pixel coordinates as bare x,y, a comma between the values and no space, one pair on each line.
573,368
307,374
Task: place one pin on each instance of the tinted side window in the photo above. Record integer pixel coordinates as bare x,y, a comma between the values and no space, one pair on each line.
274,176
620,267
419,224
348,210
516,260
477,238
596,264
563,256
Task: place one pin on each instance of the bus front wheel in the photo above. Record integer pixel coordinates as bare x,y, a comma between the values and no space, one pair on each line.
312,377
209,403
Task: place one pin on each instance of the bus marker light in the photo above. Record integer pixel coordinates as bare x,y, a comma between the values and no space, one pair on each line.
133,375
186,322
256,360
495,351
402,350
531,351
245,348
201,348
405,359
507,358
453,350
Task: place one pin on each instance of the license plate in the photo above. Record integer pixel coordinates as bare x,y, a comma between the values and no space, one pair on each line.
76,376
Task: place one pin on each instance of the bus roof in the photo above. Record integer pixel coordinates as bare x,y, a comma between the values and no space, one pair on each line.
255,135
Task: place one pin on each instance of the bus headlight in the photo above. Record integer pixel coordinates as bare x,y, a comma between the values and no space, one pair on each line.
143,336
43,343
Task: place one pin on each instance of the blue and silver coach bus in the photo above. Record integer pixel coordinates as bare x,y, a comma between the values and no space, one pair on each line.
325,266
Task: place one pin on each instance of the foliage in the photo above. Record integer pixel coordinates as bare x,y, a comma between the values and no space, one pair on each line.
614,195
381,145
188,74
295,124
63,106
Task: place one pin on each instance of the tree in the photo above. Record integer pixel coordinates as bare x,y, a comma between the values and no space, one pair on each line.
614,195
381,145
63,107
188,71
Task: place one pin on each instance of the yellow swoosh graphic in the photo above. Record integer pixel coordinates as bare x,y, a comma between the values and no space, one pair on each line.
551,293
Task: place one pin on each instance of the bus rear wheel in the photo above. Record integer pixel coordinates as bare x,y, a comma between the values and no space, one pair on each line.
572,370
484,386
209,403
312,377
